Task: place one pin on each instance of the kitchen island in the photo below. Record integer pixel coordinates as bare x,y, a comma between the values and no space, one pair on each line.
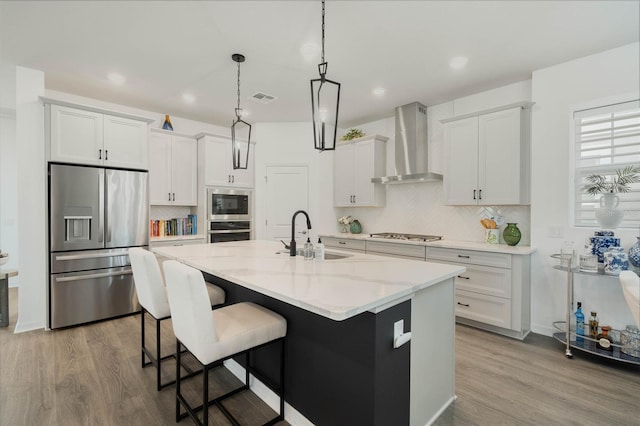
341,364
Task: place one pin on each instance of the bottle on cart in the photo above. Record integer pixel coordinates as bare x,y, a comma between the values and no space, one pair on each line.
579,323
593,325
604,341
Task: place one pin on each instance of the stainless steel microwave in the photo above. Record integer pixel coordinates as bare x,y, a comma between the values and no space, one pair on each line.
229,204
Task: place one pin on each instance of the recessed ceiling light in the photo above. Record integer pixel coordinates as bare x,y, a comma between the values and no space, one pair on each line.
458,62
310,51
188,98
379,91
115,78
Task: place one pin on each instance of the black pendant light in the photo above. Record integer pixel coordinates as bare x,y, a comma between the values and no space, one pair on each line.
325,99
240,129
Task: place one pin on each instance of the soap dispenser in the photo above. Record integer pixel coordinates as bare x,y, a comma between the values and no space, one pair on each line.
319,252
308,250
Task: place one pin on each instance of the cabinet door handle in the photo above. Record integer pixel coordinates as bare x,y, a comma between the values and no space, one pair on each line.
463,304
474,194
99,154
233,178
106,154
480,194
463,277
463,256
169,196
228,178
174,196
354,199
341,242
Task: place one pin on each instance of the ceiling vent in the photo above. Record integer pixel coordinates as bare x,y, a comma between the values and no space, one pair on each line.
263,98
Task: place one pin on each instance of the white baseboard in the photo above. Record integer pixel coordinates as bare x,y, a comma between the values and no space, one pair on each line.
29,326
441,410
545,330
291,415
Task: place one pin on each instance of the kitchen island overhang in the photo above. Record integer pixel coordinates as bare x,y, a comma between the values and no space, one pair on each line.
342,367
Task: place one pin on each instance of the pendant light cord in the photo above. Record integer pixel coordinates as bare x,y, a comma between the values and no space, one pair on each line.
238,90
322,31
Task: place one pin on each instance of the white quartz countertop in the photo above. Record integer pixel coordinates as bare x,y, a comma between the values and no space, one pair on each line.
459,244
337,289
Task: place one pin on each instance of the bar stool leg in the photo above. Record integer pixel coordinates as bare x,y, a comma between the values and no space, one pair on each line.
178,355
142,342
158,357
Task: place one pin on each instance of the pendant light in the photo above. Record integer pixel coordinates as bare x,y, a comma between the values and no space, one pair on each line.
325,99
240,129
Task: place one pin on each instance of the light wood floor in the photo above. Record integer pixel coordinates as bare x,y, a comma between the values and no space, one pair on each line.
91,375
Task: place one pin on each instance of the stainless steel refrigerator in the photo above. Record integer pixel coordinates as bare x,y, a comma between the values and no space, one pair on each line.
95,215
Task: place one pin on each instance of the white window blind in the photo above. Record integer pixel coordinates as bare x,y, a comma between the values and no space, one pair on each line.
606,139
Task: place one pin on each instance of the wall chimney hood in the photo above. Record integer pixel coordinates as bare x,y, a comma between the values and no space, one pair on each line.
412,157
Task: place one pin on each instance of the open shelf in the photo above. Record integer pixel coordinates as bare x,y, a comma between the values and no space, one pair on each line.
587,344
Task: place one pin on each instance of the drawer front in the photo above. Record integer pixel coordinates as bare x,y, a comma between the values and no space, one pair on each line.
345,244
485,280
394,249
485,258
486,309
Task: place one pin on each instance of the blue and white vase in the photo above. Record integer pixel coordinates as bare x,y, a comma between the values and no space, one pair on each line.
601,243
615,261
634,254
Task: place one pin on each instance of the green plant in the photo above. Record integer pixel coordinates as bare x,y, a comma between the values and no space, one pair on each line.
624,177
353,134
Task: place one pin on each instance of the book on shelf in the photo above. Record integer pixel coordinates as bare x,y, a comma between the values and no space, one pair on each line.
174,227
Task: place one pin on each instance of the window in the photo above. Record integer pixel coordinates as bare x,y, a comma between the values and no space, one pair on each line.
606,139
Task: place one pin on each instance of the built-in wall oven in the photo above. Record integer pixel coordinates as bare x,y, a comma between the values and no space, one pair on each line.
229,214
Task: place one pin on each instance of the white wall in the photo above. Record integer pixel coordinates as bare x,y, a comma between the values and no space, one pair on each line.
556,90
419,207
32,205
292,144
8,168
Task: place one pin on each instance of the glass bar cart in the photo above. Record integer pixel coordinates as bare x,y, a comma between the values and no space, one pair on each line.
567,335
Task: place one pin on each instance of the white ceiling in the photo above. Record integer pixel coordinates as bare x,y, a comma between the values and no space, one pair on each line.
167,48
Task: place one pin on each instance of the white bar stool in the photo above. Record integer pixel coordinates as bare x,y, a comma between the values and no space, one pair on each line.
152,295
212,336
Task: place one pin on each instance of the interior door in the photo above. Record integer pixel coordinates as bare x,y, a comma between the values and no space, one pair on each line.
287,192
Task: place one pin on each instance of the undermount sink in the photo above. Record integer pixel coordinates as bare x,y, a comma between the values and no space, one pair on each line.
327,255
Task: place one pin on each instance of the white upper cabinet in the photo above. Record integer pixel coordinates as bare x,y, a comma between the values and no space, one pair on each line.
76,136
173,169
214,154
356,162
125,143
87,135
487,157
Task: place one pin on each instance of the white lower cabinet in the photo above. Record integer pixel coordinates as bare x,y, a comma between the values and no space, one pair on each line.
347,244
494,292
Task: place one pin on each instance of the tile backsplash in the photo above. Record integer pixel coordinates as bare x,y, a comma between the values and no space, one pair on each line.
419,209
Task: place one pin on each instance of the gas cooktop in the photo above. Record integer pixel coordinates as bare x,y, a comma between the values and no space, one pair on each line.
407,237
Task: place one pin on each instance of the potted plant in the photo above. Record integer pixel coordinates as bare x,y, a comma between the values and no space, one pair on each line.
609,215
353,134
345,221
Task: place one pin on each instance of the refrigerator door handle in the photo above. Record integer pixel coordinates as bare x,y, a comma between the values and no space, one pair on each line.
90,256
106,211
91,276
100,206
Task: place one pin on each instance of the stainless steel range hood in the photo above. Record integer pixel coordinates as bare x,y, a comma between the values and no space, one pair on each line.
412,157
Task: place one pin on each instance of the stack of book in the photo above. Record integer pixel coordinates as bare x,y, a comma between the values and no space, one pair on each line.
179,226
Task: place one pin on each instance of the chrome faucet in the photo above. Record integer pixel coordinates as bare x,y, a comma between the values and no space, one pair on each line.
292,244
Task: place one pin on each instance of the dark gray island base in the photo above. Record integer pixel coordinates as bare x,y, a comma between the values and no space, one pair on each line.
337,372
